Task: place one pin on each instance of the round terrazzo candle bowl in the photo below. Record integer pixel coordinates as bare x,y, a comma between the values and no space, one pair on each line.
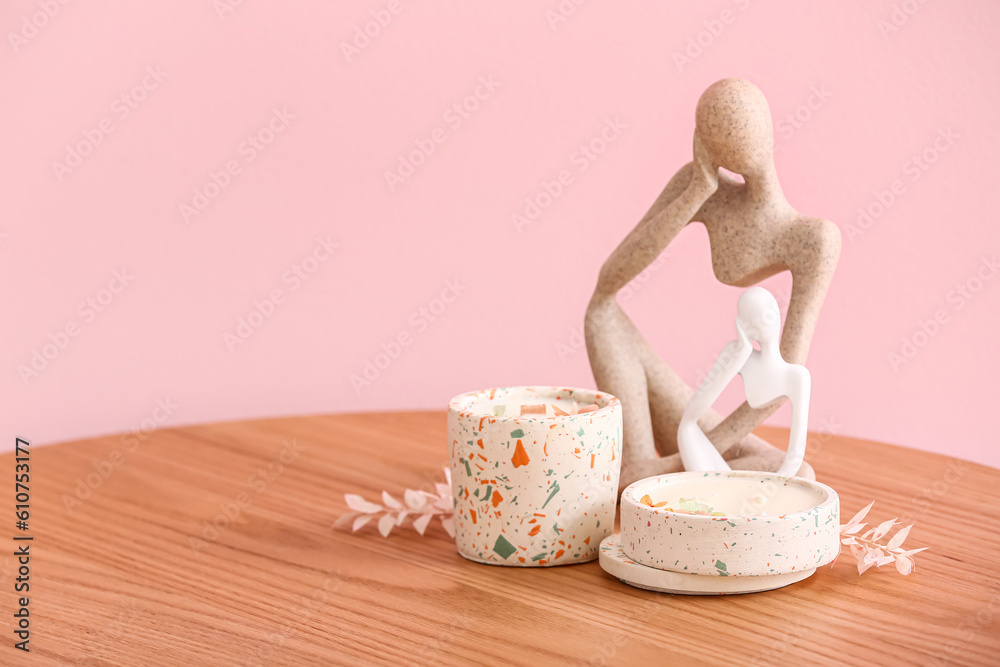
534,490
762,524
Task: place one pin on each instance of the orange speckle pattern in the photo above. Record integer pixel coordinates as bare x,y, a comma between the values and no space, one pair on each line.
520,457
488,453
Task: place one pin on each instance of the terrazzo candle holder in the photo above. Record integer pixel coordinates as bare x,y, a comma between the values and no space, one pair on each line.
763,531
534,490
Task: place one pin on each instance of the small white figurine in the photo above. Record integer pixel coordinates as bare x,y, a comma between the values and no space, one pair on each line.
766,378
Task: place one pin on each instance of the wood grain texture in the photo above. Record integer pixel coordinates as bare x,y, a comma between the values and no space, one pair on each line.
115,579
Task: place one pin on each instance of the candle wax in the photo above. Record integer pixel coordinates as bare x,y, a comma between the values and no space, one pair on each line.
740,497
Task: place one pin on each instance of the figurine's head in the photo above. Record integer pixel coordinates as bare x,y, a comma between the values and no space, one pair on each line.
758,316
734,124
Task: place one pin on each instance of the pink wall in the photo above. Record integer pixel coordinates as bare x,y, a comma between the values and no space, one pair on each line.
287,134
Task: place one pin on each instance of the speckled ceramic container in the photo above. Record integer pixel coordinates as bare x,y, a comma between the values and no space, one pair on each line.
771,525
533,491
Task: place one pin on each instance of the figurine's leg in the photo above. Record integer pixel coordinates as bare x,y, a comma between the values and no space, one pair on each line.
618,357
618,370
753,453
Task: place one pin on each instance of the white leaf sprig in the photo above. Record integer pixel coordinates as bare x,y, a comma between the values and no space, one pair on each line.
418,506
867,550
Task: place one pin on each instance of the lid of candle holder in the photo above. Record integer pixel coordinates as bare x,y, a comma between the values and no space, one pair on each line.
614,561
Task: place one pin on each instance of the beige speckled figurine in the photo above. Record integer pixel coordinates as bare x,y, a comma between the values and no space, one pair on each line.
754,233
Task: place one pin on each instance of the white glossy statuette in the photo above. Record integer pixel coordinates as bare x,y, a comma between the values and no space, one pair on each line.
766,378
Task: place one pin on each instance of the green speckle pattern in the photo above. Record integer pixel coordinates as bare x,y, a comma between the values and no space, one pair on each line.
534,490
729,545
503,547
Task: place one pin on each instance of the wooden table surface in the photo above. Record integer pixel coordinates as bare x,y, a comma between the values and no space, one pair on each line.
127,568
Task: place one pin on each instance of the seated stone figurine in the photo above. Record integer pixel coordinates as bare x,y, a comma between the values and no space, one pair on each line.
754,233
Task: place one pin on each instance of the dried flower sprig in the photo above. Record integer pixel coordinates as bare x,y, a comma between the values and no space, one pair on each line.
420,507
543,409
866,548
686,506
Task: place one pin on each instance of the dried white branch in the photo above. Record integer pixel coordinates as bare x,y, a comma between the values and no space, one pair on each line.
420,507
867,549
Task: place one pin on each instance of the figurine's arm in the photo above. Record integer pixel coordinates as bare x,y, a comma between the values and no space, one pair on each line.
799,395
697,452
732,358
680,200
811,251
